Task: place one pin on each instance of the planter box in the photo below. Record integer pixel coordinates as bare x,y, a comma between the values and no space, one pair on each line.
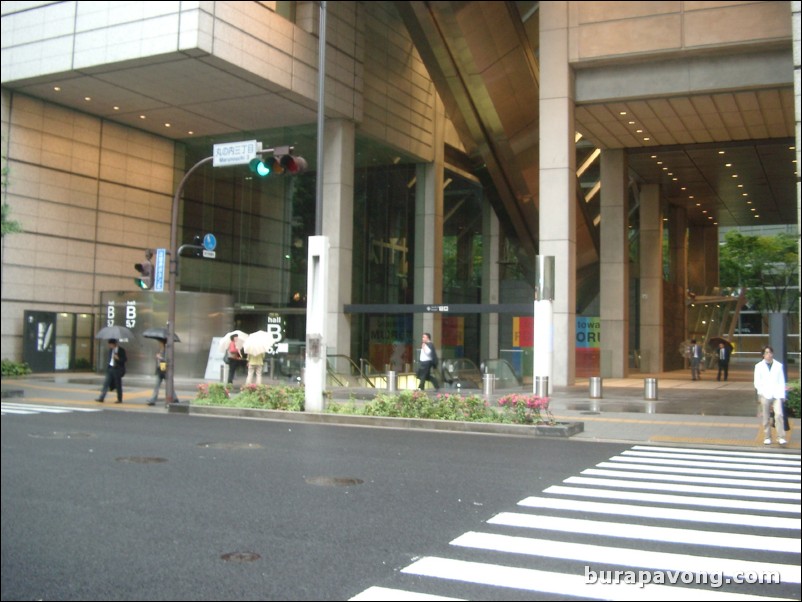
561,429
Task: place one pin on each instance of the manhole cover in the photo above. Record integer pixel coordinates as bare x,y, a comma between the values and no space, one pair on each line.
58,435
142,460
334,481
234,445
240,557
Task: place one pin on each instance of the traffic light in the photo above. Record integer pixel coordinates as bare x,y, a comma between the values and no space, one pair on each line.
278,164
146,272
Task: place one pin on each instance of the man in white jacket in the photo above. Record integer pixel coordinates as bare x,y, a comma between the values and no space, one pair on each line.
770,386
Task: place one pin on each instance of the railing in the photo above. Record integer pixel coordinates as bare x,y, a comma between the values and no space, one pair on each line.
460,373
505,377
343,372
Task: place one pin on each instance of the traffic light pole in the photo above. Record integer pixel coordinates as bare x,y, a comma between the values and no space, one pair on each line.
174,252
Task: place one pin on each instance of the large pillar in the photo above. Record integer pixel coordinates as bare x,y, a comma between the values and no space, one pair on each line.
338,220
558,182
429,236
702,259
491,251
614,266
678,245
651,280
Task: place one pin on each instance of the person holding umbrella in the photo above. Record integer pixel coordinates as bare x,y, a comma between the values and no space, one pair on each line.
115,370
234,356
161,373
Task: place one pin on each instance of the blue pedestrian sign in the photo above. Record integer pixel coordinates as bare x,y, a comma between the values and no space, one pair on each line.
209,242
158,277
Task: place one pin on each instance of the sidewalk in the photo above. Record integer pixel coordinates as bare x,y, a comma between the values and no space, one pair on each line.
703,412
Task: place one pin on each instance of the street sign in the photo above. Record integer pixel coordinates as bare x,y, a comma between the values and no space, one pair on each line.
209,242
209,254
158,277
235,153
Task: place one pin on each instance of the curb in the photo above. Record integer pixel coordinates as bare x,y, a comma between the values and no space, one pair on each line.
559,430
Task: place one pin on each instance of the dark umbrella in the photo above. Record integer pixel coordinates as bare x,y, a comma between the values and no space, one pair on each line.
115,332
715,341
159,333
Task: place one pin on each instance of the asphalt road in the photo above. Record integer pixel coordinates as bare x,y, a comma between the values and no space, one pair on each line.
141,506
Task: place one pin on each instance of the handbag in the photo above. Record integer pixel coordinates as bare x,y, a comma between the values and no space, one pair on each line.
226,358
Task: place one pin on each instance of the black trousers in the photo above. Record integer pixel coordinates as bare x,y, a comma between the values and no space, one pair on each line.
723,366
113,381
425,372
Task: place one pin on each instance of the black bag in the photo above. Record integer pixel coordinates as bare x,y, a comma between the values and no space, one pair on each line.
226,358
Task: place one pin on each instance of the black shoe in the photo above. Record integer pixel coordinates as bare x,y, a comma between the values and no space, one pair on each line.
99,399
151,403
119,401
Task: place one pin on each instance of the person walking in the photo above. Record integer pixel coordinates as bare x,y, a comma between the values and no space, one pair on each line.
696,360
428,361
723,360
256,362
234,356
770,387
115,370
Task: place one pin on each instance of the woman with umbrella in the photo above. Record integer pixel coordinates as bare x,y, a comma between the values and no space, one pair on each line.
160,335
234,357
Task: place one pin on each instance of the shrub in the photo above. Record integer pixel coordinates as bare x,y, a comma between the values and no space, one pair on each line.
252,396
792,400
11,368
528,409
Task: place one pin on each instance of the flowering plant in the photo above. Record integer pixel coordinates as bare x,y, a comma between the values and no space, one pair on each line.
527,409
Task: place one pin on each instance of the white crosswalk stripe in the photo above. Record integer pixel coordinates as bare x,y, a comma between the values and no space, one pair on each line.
27,408
650,528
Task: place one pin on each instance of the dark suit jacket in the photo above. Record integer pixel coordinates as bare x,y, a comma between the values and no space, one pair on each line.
122,357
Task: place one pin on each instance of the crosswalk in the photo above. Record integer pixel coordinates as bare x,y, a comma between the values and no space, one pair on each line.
652,523
27,408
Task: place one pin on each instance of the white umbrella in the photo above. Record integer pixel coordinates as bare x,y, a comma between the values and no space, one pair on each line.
241,338
259,342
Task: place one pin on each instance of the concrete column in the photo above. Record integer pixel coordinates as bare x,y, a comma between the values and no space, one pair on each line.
428,268
614,266
491,251
678,245
702,259
338,220
651,280
558,183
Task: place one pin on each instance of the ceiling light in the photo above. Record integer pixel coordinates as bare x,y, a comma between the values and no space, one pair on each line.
141,116
720,152
735,175
728,165
622,112
646,139
116,108
57,88
87,98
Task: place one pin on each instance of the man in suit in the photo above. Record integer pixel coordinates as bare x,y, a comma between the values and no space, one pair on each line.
723,360
115,370
696,360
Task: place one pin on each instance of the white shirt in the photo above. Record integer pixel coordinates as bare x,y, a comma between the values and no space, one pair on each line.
426,353
770,383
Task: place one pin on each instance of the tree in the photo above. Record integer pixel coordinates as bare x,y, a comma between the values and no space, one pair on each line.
768,266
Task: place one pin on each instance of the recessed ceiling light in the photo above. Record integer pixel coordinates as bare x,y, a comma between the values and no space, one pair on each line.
87,98
57,88
166,125
142,117
720,152
622,112
190,132
735,175
646,139
728,165
116,108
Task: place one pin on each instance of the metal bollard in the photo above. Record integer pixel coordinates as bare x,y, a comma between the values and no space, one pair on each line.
595,387
489,381
542,386
392,381
650,388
